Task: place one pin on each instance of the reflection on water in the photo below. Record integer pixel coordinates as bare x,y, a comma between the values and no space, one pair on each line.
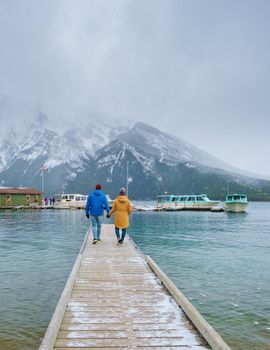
219,260
37,249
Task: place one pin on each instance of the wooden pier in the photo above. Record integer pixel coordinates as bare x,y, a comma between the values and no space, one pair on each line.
117,298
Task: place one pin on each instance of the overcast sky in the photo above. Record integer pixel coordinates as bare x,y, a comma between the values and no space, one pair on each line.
198,69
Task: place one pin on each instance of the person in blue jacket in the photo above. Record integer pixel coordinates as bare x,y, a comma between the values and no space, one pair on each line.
96,203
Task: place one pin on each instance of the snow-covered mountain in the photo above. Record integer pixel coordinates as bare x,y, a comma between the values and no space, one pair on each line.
168,149
96,148
30,137
160,162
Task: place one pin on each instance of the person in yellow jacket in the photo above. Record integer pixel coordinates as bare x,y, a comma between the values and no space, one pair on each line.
122,208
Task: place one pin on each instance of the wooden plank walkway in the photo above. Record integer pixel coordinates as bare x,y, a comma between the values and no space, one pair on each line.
118,302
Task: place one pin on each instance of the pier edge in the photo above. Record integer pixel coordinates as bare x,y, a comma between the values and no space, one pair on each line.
205,329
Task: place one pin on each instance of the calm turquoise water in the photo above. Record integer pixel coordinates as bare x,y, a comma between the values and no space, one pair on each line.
220,261
37,252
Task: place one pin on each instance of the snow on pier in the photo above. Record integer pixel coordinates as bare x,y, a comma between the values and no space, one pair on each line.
115,298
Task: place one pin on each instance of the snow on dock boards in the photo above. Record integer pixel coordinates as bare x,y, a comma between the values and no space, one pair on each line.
117,302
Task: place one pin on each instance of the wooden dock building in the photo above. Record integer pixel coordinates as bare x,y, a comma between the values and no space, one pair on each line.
11,197
117,298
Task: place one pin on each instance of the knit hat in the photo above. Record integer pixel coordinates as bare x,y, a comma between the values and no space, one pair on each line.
98,187
122,191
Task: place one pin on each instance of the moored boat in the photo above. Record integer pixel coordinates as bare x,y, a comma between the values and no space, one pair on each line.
236,203
110,201
185,202
73,200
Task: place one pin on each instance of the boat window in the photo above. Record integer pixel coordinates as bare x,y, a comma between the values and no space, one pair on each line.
236,198
190,199
200,199
71,197
78,198
84,198
174,199
64,197
164,199
183,199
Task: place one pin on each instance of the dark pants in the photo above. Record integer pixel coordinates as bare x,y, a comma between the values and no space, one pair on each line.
117,232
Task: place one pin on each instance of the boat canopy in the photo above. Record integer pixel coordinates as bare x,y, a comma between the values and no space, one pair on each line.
71,197
165,198
236,197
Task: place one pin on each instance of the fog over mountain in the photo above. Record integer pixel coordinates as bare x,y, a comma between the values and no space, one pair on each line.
75,156
196,69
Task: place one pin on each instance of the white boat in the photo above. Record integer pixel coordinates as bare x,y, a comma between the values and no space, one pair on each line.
185,202
73,200
110,201
236,203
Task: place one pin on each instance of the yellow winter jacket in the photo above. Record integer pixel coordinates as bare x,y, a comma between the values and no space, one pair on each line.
122,209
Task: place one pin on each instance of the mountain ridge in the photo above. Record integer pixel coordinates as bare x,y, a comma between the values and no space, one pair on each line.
79,155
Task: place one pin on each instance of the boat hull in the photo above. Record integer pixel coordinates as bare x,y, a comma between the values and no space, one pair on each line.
198,205
71,204
235,207
188,206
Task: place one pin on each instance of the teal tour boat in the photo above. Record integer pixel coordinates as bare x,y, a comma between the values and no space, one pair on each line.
236,203
185,202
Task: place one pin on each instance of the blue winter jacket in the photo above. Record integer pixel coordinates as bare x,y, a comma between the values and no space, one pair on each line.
96,203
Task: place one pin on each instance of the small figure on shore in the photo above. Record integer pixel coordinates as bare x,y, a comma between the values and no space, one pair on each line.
122,208
53,201
46,201
96,203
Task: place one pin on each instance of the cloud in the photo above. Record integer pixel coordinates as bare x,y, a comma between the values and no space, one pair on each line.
198,69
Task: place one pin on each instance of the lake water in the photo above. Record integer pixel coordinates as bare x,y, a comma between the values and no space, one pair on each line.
220,261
